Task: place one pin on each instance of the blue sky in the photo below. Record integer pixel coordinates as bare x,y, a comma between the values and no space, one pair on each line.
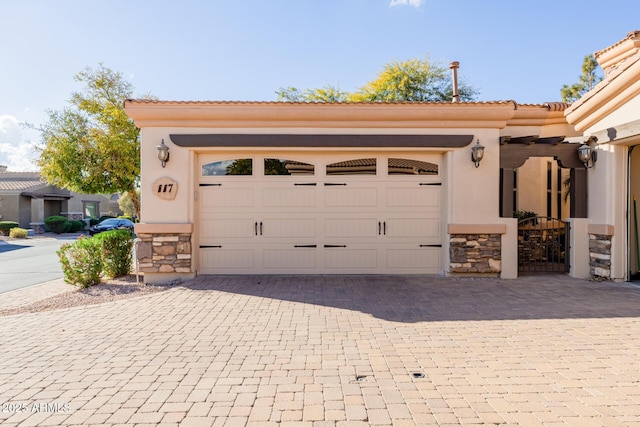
247,49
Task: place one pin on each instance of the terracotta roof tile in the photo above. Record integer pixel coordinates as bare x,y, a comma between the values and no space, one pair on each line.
630,35
21,181
613,73
167,102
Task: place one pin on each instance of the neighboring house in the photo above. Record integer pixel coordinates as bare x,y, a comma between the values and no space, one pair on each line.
28,200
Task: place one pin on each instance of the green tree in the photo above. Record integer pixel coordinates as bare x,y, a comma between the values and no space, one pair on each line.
327,93
413,80
588,79
92,146
125,203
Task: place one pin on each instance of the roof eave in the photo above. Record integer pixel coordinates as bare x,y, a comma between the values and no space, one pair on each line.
319,115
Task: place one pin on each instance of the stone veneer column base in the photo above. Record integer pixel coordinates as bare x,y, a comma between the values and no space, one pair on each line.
37,227
164,250
475,250
475,254
600,256
600,236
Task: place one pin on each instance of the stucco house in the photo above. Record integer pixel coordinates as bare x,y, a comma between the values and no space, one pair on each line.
26,199
268,187
376,188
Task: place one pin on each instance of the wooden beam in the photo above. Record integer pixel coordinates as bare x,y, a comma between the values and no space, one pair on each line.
513,156
578,193
322,140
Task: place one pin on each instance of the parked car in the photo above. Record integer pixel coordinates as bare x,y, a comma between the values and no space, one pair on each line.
112,224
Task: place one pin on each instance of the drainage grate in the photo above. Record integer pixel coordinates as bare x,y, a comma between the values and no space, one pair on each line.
417,375
361,378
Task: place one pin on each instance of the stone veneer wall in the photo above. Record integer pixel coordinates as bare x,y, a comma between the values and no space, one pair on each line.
600,255
475,253
73,215
164,253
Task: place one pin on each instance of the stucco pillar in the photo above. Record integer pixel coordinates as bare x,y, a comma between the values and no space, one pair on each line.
510,249
37,216
579,244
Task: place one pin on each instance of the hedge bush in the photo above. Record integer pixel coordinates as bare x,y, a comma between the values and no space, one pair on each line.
88,258
6,226
18,233
75,225
117,250
81,262
57,224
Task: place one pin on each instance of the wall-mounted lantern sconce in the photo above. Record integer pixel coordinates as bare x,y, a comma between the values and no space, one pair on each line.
587,153
477,153
163,153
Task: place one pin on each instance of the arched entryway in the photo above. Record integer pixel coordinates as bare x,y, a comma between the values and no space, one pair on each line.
543,235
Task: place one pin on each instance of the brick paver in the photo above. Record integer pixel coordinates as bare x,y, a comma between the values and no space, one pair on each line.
331,350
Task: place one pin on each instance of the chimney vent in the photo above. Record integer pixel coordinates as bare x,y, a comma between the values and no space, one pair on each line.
454,69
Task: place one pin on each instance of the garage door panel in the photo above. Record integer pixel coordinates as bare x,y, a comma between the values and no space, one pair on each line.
414,228
223,260
289,197
282,260
288,227
350,227
345,197
413,196
351,259
415,259
221,228
224,197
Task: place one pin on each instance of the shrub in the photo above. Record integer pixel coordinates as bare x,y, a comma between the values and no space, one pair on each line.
81,262
93,221
117,250
56,224
6,226
103,217
18,233
75,225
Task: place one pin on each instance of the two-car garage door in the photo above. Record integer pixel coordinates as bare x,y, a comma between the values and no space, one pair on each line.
321,215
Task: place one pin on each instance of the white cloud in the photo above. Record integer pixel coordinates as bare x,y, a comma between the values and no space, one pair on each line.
16,151
413,3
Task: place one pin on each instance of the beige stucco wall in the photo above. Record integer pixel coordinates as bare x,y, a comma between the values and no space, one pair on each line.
611,112
608,181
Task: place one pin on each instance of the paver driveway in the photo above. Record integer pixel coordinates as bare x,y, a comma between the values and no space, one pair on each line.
332,350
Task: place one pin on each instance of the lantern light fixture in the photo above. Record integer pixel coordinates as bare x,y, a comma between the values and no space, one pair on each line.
477,153
163,153
587,154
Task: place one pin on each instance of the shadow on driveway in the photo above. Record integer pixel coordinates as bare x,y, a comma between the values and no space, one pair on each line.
8,247
410,299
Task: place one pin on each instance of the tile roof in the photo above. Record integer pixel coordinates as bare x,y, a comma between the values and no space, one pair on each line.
630,35
21,181
613,73
203,102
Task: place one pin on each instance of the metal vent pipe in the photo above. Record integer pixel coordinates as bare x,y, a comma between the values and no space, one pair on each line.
454,69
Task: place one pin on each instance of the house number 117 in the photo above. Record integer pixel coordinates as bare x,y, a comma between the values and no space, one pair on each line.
165,188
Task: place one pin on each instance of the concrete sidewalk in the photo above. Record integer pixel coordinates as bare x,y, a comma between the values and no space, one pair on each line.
332,350
24,296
